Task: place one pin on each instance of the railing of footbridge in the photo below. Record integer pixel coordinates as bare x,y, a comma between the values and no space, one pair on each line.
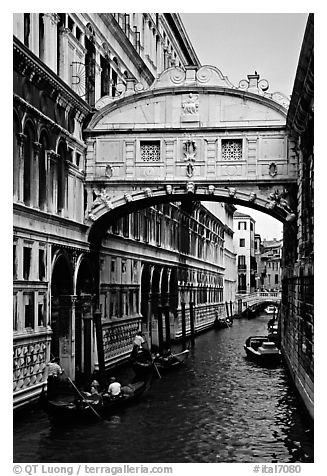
249,300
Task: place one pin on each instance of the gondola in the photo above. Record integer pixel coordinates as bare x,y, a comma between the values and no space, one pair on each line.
81,407
171,361
262,350
223,323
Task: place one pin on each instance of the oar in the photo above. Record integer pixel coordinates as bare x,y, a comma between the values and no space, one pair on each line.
83,398
156,369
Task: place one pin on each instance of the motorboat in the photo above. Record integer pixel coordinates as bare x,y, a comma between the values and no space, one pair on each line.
262,349
271,310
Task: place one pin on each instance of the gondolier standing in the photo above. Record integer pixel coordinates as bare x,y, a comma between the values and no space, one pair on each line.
54,372
137,344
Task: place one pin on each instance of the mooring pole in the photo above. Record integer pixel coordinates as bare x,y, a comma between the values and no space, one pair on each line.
192,322
99,337
160,330
227,313
183,326
87,346
167,325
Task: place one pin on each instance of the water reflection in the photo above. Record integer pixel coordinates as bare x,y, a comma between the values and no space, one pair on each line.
219,408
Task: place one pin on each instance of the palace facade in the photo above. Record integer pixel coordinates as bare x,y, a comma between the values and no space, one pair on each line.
152,262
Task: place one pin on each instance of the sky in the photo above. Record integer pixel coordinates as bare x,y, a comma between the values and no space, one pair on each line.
239,44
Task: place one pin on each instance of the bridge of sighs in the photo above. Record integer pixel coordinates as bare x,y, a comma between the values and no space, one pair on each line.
192,135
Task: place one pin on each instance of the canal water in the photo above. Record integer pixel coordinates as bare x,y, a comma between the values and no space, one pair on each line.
219,407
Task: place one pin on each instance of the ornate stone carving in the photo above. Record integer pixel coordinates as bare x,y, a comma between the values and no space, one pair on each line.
169,189
190,169
190,150
211,189
190,187
191,105
272,169
231,191
148,192
128,197
101,198
109,171
278,199
252,197
29,364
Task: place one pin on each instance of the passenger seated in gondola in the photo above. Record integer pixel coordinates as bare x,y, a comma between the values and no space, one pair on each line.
114,389
93,395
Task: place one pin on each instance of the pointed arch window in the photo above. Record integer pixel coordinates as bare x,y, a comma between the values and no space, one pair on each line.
43,171
28,164
61,176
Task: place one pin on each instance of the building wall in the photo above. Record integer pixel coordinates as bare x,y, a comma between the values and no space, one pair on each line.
64,64
271,264
244,231
297,310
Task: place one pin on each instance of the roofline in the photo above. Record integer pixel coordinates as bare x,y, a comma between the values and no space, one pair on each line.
168,90
176,24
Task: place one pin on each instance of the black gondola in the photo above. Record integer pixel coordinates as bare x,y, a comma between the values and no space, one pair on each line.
83,407
171,361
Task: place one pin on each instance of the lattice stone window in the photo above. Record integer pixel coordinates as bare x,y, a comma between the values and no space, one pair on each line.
231,149
150,151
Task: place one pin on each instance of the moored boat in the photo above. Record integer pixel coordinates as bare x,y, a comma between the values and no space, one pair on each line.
223,322
271,310
262,349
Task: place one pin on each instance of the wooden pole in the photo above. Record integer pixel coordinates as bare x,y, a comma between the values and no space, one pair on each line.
99,337
227,313
87,346
183,326
167,325
192,322
160,330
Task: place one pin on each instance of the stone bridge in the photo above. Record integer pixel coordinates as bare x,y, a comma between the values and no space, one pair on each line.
191,136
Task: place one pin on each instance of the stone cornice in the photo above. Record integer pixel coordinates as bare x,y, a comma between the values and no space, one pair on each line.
26,62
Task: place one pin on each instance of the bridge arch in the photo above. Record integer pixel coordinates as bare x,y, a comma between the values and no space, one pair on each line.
105,210
192,136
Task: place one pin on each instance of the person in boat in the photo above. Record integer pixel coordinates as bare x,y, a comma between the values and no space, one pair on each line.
54,372
54,368
137,345
114,389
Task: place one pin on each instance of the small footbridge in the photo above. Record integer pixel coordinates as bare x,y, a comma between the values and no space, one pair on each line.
257,301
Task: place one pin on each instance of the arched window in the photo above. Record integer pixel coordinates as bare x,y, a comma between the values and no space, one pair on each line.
28,164
15,157
42,171
62,151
